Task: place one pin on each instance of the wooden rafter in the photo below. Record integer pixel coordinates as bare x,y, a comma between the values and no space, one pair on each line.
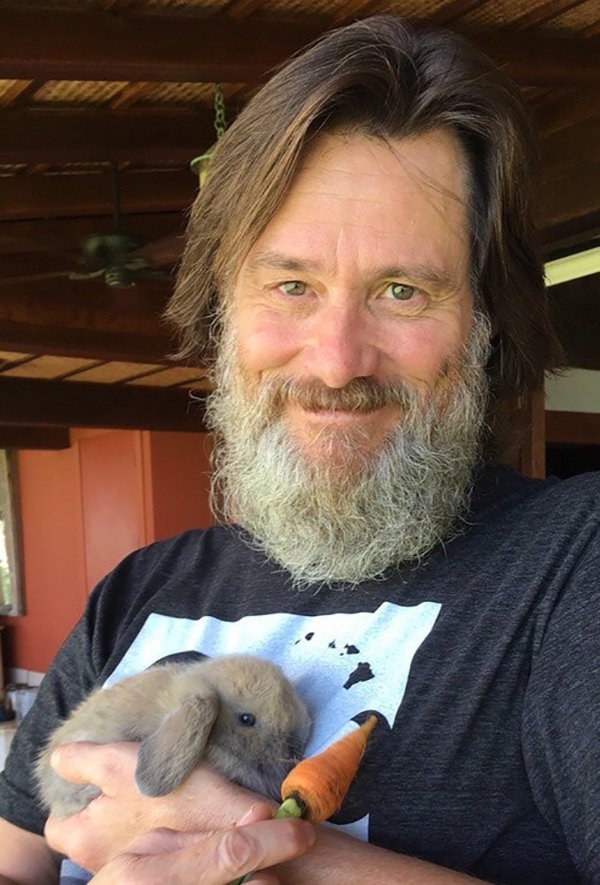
148,137
53,196
548,61
88,45
571,195
576,146
34,437
85,319
66,234
543,13
573,428
28,403
566,110
139,136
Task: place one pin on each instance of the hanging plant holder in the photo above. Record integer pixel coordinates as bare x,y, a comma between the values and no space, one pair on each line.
200,165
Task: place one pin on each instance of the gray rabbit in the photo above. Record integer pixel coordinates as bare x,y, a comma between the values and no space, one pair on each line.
237,713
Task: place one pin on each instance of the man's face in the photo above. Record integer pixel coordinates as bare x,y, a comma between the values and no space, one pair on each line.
362,273
351,387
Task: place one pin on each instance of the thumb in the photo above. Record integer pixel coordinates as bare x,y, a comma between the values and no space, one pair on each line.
213,858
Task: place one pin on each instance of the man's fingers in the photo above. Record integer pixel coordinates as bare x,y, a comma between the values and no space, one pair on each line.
209,858
97,764
264,844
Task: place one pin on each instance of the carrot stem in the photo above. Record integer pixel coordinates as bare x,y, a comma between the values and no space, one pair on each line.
315,788
289,808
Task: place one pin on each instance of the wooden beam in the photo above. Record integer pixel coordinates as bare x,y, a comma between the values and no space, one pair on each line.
544,61
24,402
529,422
570,235
573,428
89,45
147,137
66,234
576,146
138,136
89,343
542,13
34,437
566,110
57,196
85,320
573,194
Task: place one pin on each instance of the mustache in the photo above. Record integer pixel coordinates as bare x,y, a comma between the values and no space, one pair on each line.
359,395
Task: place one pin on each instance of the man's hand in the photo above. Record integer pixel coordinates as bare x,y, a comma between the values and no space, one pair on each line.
211,858
205,802
203,812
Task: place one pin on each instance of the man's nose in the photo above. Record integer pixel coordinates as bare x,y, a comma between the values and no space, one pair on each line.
341,344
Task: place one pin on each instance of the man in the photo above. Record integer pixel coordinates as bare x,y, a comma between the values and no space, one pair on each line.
363,268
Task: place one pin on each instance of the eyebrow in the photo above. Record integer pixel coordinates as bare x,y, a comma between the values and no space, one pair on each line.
419,273
279,261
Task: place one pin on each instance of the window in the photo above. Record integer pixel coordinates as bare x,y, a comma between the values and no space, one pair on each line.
11,597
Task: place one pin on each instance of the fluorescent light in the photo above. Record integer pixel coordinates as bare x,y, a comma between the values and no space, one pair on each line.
571,267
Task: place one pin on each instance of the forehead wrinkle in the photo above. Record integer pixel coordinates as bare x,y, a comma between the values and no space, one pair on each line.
419,273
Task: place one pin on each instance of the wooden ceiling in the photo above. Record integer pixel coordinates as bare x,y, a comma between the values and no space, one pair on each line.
89,83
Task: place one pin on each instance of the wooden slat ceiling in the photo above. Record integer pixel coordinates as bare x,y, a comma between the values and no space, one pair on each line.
131,83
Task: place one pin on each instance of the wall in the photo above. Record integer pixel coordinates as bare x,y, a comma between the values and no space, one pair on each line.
573,390
53,557
177,472
83,509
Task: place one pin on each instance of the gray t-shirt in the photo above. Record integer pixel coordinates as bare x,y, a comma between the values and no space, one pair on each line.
482,663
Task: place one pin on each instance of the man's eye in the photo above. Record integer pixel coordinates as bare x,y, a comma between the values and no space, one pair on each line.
401,291
294,287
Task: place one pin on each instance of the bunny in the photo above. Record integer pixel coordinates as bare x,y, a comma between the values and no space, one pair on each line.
237,713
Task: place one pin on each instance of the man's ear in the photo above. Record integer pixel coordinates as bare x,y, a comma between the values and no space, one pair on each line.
168,755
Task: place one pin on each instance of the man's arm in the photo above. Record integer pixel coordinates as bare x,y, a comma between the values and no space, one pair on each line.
217,858
205,803
337,859
26,859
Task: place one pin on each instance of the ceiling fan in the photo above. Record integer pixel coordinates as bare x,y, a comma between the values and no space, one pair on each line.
118,257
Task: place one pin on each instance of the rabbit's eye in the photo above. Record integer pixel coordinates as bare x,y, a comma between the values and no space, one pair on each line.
247,719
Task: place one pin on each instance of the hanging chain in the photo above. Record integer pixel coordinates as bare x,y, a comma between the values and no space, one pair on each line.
220,122
199,165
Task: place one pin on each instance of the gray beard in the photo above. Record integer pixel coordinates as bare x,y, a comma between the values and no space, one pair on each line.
350,518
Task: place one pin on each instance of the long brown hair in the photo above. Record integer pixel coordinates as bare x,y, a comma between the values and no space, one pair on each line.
388,80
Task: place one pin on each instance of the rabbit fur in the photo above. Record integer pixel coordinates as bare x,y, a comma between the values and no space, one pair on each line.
237,713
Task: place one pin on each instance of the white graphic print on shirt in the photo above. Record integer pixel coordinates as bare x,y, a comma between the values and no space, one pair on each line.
341,664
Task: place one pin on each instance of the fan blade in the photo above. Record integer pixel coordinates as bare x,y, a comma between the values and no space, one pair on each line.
35,277
86,274
162,253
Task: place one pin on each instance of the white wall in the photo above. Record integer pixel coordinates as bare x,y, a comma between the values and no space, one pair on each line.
574,390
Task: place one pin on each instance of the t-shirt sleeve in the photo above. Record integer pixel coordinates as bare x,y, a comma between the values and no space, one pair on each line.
77,668
561,724
68,680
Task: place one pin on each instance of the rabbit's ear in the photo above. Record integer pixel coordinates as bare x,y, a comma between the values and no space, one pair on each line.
168,755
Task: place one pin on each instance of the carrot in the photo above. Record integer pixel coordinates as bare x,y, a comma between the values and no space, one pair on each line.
315,788
318,784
